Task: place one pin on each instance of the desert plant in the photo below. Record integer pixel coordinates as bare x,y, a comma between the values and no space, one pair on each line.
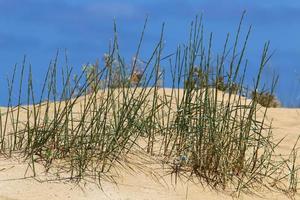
92,76
218,134
220,83
197,78
201,132
137,72
266,99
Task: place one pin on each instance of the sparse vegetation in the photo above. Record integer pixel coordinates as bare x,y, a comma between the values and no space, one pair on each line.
266,99
205,131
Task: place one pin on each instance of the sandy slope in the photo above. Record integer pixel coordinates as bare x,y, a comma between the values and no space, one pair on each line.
137,185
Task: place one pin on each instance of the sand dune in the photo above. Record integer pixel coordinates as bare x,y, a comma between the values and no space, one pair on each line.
16,185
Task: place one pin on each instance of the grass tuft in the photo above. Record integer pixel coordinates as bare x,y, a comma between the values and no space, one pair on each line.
202,126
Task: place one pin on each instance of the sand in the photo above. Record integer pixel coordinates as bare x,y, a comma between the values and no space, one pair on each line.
16,185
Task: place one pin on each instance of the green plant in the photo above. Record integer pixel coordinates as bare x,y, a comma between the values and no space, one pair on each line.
92,77
207,133
220,83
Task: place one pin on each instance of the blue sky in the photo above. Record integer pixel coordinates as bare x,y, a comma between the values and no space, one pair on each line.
38,28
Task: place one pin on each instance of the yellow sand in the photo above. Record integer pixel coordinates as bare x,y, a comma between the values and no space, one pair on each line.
136,185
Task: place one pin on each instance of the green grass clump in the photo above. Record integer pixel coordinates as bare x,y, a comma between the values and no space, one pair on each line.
206,130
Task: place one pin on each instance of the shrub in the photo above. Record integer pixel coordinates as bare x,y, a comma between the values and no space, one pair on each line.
92,77
220,84
266,99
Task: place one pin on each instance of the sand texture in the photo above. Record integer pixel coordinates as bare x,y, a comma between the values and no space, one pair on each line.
17,183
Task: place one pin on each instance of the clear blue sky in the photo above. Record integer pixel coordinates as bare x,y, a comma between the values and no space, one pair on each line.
38,28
